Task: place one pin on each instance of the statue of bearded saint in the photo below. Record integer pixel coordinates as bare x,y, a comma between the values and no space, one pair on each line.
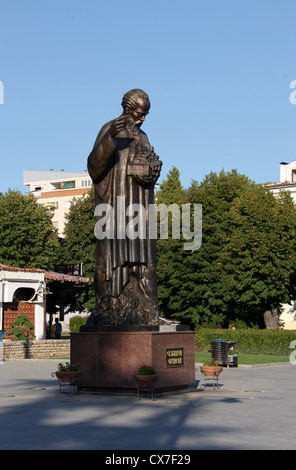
124,169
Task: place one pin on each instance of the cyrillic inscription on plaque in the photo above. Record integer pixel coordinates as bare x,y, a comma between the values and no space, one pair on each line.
174,357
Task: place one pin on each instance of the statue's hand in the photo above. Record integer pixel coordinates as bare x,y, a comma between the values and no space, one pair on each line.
156,171
117,125
143,180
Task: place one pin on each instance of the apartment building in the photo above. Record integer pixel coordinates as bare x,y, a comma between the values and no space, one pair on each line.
287,180
55,190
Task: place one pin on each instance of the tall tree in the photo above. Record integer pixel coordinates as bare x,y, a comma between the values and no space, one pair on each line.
79,238
171,190
245,266
79,242
27,236
259,255
203,287
170,267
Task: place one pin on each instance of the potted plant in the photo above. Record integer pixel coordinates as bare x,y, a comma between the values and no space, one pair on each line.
68,373
211,368
146,376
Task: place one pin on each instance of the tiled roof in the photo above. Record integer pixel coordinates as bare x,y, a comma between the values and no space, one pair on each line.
52,276
49,275
280,184
7,267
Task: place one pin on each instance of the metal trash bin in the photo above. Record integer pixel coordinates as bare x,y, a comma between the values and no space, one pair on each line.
219,351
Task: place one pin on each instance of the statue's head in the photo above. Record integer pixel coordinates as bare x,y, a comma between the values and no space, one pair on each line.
136,103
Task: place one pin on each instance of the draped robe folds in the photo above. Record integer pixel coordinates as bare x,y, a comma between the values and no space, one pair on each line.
122,259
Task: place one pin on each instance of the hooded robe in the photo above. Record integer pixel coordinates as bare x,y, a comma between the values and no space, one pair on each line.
124,257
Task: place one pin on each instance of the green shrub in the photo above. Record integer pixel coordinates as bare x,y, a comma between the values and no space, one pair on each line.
22,329
76,322
251,341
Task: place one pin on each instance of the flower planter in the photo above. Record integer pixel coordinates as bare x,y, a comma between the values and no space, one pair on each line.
145,380
68,377
211,371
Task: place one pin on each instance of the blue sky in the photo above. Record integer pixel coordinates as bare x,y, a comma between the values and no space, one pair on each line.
217,74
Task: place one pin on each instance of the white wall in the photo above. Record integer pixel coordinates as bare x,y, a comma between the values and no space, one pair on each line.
286,172
10,281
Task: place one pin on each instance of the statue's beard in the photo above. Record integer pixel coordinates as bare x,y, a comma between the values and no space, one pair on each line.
133,126
133,129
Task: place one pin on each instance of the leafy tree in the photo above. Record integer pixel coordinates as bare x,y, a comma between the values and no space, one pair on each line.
79,243
171,190
65,297
79,239
27,236
204,286
259,255
245,266
170,266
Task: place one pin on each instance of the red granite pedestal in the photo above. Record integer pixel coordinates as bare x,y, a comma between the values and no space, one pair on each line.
109,360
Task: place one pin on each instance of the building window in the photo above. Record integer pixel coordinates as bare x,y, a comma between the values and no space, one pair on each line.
51,206
293,176
37,191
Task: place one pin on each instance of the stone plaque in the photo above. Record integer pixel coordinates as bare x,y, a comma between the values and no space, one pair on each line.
175,357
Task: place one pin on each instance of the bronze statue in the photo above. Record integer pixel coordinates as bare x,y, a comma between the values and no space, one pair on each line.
124,170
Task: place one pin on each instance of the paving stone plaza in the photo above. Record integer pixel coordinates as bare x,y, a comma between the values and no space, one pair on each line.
254,409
